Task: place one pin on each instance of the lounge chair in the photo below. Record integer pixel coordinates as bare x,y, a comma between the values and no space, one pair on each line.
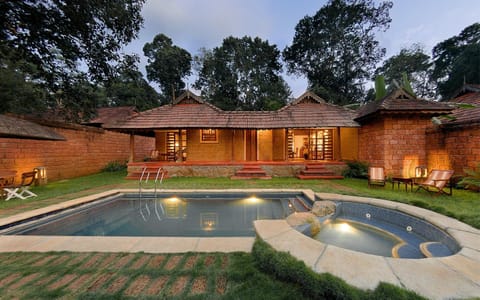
376,176
436,182
22,190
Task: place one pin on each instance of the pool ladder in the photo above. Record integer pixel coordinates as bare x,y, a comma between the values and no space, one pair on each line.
144,179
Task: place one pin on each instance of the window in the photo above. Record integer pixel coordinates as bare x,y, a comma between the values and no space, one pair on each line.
208,136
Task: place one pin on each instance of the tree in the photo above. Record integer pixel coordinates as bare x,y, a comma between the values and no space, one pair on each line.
242,74
130,88
416,64
457,61
336,48
60,38
167,64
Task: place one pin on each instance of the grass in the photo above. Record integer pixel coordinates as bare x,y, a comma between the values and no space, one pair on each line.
262,274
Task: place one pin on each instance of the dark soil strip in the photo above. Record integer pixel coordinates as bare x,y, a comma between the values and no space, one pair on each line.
156,286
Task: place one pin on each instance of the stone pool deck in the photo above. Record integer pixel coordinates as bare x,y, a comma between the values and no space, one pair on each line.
452,277
456,276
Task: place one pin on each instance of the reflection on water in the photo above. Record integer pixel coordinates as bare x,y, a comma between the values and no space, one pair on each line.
168,216
356,236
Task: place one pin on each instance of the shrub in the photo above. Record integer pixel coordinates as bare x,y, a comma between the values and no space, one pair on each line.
472,180
356,169
114,166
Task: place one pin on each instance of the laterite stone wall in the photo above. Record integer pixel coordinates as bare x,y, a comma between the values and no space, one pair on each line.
86,151
455,149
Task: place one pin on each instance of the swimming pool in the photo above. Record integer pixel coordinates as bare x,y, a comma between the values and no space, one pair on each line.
381,231
166,214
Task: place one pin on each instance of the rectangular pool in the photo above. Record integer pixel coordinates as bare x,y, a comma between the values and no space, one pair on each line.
183,214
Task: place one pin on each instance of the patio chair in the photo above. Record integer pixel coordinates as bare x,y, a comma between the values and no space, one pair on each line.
22,190
376,176
436,182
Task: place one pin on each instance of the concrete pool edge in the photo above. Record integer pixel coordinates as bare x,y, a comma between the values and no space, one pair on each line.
13,243
455,276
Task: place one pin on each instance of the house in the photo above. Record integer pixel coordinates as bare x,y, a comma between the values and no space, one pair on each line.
193,132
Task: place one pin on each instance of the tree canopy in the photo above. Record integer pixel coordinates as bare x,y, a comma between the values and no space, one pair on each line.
242,74
336,48
416,64
49,44
167,64
457,61
129,88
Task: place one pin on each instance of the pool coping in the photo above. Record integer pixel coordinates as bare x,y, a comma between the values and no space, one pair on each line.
12,243
455,276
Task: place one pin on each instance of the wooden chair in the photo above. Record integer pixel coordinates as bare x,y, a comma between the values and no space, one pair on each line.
376,176
22,190
436,182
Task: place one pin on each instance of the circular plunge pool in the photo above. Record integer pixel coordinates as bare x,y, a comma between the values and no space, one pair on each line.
380,231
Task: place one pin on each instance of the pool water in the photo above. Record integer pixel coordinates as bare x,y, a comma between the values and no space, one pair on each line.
357,236
381,231
167,215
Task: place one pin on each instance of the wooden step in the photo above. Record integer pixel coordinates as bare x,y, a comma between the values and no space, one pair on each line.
317,171
251,172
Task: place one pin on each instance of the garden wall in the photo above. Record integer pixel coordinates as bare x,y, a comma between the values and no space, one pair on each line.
453,148
396,142
86,151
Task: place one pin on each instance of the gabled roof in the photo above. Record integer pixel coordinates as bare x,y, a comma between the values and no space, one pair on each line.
190,111
112,115
400,101
12,127
467,111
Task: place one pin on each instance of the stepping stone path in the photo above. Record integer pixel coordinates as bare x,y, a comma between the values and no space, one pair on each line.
74,275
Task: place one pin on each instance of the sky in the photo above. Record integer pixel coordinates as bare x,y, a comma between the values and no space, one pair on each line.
193,24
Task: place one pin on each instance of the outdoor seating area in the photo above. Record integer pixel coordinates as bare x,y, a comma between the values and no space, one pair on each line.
10,190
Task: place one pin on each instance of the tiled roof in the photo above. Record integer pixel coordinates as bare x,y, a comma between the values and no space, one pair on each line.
190,111
400,101
112,115
465,115
12,127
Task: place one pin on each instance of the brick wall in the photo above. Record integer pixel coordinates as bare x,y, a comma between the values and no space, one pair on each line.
85,151
395,142
455,149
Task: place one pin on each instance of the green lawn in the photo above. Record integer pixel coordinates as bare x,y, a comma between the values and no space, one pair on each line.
262,274
463,205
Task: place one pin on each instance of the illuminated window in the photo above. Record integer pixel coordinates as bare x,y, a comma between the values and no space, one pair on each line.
208,136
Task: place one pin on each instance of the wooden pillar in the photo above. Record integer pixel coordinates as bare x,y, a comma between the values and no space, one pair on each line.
339,143
132,148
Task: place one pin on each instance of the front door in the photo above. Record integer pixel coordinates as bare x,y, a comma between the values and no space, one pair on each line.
250,145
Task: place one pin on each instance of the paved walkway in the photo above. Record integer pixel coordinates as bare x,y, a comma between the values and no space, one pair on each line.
456,276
